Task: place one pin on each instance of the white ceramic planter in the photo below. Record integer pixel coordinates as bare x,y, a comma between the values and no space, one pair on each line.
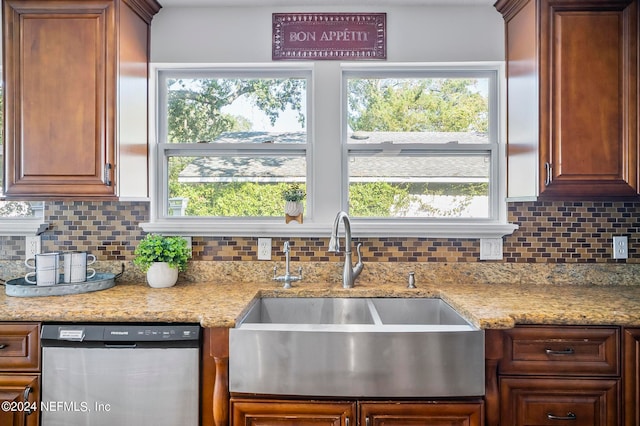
161,275
293,208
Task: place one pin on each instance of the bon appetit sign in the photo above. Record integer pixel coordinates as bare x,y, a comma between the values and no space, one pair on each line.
338,36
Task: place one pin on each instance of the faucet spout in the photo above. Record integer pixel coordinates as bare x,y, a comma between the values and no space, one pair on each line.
350,273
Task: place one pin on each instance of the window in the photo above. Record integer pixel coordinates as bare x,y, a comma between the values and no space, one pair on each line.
229,141
406,149
422,144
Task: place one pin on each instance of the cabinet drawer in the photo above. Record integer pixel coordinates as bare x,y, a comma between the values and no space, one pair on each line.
572,351
256,412
19,347
547,401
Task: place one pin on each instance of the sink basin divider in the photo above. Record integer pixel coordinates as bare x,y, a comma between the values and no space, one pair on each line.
374,312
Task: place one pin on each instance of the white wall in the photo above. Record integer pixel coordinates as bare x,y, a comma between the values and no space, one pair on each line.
237,34
414,34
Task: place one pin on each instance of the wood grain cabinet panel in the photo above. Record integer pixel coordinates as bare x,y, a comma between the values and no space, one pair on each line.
631,377
266,412
255,412
20,392
20,347
536,401
20,373
71,70
551,375
435,413
577,351
572,98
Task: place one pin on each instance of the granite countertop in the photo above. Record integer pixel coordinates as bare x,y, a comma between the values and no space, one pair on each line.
220,304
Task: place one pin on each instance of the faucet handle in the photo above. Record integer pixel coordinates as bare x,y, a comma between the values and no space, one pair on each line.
412,280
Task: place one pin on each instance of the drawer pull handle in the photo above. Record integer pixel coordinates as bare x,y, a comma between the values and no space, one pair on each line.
569,416
25,398
3,345
568,351
549,177
346,421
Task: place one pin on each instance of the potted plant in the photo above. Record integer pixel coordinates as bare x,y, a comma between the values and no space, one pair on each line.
162,257
293,196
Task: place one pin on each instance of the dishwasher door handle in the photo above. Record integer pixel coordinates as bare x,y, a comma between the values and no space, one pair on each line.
122,346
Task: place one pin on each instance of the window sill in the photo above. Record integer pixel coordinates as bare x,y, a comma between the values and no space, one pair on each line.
22,227
360,228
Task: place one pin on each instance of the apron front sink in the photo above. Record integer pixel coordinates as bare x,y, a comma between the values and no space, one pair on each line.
356,347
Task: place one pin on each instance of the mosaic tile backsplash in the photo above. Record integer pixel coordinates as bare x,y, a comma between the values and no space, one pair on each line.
550,232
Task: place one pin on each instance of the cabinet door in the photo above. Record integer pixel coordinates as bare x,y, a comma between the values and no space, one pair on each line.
580,402
632,377
59,67
254,412
588,98
422,414
17,395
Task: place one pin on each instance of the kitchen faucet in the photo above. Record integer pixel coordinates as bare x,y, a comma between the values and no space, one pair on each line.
287,278
350,273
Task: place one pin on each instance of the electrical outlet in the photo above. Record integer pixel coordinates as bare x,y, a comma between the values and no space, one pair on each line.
490,248
264,248
620,247
32,246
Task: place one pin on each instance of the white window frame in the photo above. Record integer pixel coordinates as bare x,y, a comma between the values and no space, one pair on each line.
327,155
222,226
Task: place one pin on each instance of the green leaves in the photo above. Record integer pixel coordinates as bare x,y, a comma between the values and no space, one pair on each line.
157,248
293,192
416,105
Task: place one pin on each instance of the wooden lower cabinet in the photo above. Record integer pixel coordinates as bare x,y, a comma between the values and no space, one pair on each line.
434,413
19,373
273,412
258,412
20,399
631,377
543,401
551,375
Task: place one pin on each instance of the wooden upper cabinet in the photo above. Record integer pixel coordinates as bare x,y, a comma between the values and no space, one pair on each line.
572,111
76,91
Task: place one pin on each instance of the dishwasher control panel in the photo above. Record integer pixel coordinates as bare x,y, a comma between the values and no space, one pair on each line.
120,333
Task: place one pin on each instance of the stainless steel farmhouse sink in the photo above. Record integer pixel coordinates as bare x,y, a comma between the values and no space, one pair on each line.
309,311
356,347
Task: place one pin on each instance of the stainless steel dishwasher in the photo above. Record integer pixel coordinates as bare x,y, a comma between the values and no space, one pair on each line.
103,374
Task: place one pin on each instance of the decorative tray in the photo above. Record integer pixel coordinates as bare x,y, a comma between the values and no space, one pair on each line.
100,281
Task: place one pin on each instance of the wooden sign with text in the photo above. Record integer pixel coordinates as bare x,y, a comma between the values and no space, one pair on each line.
338,36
